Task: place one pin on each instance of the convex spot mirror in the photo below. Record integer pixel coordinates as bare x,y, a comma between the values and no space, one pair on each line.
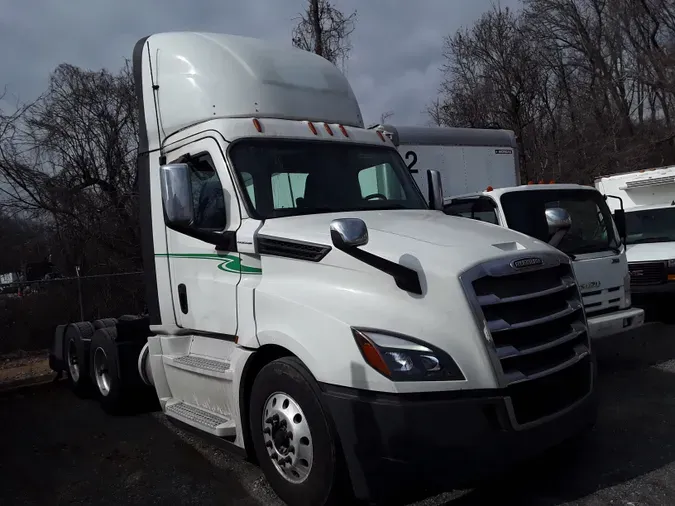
559,222
347,233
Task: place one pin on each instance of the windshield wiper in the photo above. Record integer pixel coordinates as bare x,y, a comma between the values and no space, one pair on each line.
652,239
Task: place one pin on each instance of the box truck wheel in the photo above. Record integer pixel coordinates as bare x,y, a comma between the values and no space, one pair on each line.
293,437
77,340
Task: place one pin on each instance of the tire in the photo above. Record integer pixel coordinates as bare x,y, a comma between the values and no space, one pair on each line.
104,363
104,322
288,385
76,352
57,353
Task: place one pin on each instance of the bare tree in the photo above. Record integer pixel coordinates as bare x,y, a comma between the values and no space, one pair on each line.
70,162
326,31
587,85
385,116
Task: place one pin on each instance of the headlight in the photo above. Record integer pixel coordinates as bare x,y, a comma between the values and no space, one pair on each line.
401,358
626,289
671,263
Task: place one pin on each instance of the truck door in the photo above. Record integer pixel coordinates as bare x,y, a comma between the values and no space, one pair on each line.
204,280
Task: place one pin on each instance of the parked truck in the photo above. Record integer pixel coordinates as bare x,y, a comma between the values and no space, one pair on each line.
648,199
480,168
307,307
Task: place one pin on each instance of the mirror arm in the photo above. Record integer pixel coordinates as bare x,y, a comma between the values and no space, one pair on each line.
406,279
223,241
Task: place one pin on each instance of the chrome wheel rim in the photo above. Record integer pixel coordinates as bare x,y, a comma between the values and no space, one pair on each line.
287,436
101,371
73,365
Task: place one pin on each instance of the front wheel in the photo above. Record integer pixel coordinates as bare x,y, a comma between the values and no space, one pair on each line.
293,437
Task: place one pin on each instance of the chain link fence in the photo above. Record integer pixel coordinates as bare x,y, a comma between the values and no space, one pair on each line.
30,311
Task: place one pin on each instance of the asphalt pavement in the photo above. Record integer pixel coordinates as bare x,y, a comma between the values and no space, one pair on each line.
58,449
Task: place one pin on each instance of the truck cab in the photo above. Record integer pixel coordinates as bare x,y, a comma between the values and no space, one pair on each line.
588,235
310,309
647,197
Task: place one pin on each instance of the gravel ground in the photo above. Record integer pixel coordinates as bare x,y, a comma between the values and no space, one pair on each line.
57,449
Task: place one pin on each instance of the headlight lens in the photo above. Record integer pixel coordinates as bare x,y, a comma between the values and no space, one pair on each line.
401,358
671,263
626,290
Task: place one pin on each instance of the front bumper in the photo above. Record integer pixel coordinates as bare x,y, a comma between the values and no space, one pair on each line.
663,288
614,323
400,447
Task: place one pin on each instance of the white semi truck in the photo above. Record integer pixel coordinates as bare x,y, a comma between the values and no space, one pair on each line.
648,200
308,308
479,171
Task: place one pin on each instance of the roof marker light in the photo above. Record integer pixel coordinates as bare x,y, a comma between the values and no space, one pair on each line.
312,128
530,182
541,181
551,181
328,129
489,188
257,125
343,130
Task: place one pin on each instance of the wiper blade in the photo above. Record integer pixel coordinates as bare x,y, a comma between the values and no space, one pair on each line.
653,239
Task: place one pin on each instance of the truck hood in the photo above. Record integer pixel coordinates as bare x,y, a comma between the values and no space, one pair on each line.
456,242
649,252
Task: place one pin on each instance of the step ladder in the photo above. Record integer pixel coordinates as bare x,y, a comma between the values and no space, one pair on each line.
200,418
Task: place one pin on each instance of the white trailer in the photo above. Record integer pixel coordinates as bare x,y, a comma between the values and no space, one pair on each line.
648,200
309,309
467,158
480,169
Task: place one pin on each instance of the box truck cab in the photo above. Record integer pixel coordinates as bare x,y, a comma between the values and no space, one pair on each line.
648,200
306,305
576,220
471,161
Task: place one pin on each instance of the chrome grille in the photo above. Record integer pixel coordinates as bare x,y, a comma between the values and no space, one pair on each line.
535,329
647,273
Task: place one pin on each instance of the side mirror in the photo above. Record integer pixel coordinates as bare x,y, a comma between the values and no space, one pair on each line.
176,194
435,190
620,222
348,233
559,222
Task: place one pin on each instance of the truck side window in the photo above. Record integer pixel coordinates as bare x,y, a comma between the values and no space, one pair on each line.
208,199
382,180
481,209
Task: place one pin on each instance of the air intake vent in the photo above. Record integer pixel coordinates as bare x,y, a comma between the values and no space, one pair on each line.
652,181
292,249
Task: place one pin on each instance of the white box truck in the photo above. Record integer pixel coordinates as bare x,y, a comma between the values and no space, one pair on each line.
648,200
308,308
480,167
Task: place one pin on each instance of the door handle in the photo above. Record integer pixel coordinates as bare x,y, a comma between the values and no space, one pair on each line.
182,298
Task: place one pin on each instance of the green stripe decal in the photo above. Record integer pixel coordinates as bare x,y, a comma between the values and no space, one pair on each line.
228,263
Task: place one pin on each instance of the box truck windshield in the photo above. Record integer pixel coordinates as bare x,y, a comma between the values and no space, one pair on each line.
290,178
592,228
650,225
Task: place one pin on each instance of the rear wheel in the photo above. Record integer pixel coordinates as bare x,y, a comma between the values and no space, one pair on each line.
104,360
293,437
76,342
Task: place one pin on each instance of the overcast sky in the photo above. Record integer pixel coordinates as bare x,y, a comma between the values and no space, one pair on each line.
394,63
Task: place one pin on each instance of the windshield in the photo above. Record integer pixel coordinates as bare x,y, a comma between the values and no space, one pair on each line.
290,178
592,226
652,225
